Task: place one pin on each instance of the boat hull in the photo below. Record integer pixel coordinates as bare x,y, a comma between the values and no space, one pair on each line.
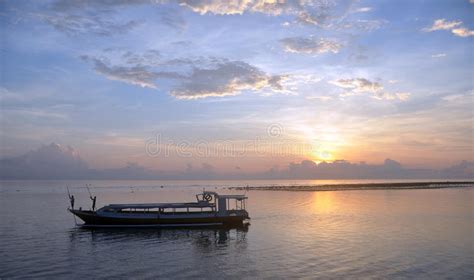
94,219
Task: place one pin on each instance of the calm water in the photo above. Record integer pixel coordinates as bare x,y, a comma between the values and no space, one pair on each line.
351,234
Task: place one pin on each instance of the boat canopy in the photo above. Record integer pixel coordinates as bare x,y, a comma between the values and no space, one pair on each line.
161,205
201,203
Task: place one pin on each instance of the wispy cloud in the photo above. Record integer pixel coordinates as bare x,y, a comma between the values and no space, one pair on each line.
462,32
358,85
442,24
438,55
78,24
375,89
454,26
217,7
362,24
327,14
136,75
320,98
105,5
100,17
311,45
363,10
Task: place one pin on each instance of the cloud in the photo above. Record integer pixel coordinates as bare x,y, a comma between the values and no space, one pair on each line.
438,55
313,18
226,79
310,45
389,169
300,8
55,161
7,95
136,75
94,17
67,5
362,85
345,169
205,171
358,85
98,17
149,57
172,18
78,24
193,78
233,7
402,96
326,14
462,32
454,26
51,161
320,98
365,25
131,170
442,24
363,10
465,169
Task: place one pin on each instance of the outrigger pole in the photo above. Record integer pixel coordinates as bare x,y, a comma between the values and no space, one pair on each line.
71,200
93,198
69,194
89,191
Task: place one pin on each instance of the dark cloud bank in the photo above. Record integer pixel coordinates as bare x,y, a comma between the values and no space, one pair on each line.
56,162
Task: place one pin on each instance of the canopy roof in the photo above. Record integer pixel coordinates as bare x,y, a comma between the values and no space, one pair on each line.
161,205
198,204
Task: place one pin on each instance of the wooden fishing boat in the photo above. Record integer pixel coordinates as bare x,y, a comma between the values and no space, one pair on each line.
210,209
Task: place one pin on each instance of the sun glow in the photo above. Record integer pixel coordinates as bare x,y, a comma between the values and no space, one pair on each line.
325,141
321,155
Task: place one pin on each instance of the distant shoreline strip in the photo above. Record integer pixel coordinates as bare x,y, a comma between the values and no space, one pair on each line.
362,186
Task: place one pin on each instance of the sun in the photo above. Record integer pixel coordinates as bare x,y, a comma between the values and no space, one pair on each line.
324,142
325,155
321,155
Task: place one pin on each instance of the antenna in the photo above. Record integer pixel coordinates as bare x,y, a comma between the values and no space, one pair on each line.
87,186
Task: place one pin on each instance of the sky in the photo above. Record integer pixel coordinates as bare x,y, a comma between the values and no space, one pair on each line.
237,88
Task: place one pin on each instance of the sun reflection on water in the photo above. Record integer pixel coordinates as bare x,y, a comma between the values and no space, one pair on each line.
323,202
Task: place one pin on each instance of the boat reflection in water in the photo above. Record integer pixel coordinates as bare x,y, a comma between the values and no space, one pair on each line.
210,210
202,239
151,253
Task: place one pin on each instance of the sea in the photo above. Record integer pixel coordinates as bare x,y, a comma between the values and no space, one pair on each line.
356,234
